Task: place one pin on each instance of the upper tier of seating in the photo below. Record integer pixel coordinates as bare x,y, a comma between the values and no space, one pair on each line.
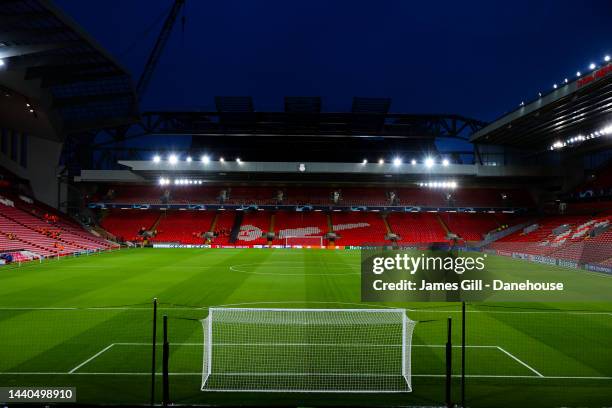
349,196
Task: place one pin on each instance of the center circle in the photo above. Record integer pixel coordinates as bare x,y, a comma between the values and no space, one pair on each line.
293,269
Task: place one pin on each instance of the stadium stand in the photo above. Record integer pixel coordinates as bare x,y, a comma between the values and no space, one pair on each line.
125,224
349,196
363,196
358,228
21,229
254,226
417,227
250,195
186,227
299,224
223,223
582,239
470,227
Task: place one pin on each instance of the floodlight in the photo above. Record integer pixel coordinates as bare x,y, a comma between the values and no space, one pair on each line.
555,86
429,162
607,58
592,66
205,159
397,161
578,73
156,159
565,80
189,159
1,62
173,159
445,162
221,159
413,162
381,161
238,160
365,161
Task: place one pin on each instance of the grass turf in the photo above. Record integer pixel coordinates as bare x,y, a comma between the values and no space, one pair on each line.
86,322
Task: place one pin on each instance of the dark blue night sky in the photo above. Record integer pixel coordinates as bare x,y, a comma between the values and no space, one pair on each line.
478,58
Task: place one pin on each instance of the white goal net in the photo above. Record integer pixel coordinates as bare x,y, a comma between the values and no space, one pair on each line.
307,350
304,241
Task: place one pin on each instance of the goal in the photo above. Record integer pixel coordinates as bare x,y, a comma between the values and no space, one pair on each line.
307,350
304,241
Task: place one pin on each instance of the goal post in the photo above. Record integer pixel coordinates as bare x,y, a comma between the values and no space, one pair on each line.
304,241
307,350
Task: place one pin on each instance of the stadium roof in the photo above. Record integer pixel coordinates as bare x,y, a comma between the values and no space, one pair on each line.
48,58
579,106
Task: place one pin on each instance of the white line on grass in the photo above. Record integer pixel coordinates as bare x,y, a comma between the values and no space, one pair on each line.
158,344
98,354
413,375
74,308
101,309
512,312
105,349
520,361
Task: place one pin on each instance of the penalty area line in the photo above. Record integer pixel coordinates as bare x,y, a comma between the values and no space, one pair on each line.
99,353
515,358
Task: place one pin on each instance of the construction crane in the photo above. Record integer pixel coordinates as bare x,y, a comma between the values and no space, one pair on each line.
156,52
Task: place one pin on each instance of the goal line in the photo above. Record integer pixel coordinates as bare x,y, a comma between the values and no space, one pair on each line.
107,349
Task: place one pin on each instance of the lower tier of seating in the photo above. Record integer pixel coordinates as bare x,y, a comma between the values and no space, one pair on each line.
187,227
22,228
417,227
357,228
126,224
566,237
581,239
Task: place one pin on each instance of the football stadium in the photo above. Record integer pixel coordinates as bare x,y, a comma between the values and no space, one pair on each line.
220,256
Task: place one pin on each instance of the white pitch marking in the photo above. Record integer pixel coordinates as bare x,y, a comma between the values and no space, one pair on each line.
512,312
413,375
91,358
520,361
72,308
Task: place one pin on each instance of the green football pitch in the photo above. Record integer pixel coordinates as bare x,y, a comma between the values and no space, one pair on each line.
86,322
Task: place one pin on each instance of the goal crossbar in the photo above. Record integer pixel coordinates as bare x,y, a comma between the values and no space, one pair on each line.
307,350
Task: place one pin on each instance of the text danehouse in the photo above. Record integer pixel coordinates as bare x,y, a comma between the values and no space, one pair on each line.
392,275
